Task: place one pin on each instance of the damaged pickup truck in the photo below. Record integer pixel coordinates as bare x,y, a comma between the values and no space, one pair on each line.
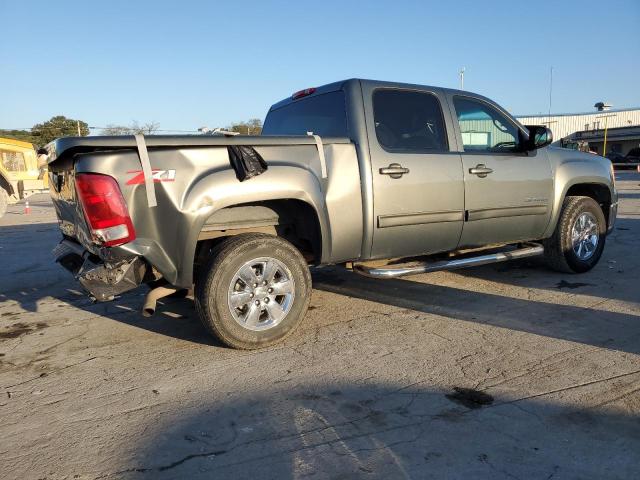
357,173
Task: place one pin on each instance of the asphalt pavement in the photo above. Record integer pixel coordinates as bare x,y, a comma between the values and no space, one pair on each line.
507,371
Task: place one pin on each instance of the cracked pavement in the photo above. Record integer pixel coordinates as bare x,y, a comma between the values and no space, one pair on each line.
505,371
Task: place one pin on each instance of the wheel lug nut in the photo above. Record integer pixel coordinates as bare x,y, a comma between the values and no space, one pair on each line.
255,285
270,290
257,302
251,295
266,299
264,282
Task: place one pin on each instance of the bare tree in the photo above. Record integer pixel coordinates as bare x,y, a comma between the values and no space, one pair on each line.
252,126
135,128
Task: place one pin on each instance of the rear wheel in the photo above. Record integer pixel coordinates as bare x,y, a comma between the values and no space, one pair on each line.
254,291
4,201
578,241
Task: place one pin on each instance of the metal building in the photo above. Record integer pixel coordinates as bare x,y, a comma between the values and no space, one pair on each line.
622,125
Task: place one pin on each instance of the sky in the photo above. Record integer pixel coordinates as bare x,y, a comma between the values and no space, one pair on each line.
187,64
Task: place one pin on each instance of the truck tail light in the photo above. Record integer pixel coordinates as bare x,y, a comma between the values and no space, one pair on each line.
303,93
104,209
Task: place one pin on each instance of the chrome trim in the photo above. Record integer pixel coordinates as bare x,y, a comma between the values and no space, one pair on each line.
399,271
385,221
519,211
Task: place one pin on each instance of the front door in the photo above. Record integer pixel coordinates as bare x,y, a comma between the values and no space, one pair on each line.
418,188
508,193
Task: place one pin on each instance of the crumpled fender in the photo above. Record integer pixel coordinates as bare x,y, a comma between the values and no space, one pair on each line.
222,189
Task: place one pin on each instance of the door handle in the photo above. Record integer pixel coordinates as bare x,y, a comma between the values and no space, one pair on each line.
481,170
395,170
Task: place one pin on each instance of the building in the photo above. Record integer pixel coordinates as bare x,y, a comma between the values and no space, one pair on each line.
623,128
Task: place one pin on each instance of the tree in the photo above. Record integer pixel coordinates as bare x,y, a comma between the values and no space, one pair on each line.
23,135
252,126
134,128
56,127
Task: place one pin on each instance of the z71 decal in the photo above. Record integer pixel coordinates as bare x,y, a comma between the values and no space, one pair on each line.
157,175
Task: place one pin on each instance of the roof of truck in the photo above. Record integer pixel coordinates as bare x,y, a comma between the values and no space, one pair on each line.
331,87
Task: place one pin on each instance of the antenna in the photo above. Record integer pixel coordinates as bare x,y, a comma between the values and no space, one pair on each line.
461,73
550,89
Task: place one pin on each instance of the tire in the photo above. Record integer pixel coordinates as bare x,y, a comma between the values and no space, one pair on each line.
283,301
560,249
4,201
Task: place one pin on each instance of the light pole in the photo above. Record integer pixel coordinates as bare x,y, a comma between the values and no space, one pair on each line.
606,125
461,73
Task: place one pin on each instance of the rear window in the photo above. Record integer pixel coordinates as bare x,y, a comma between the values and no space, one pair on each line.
324,115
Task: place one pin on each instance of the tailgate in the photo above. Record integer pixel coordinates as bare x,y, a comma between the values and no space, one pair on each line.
70,216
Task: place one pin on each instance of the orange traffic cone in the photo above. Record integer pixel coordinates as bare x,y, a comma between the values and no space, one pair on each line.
27,208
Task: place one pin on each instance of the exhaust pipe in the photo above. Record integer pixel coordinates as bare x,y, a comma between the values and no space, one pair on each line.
149,307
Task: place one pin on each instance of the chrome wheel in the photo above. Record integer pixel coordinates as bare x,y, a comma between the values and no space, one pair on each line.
261,293
585,236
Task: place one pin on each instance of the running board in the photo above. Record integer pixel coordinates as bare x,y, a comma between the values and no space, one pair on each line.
530,250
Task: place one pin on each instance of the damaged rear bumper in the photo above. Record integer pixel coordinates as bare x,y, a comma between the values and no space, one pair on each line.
103,281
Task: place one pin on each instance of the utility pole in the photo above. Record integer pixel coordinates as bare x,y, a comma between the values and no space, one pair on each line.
78,125
461,72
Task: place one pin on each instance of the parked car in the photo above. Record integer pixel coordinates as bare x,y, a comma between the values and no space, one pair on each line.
624,161
633,156
350,174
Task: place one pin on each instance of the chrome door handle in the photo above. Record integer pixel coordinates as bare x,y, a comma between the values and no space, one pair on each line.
480,170
395,170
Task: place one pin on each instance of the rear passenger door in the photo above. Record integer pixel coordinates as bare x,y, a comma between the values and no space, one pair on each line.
418,189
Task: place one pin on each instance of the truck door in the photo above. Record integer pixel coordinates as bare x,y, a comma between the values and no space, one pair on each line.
508,192
418,189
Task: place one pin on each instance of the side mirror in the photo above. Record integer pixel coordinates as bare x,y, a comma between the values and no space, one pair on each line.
539,136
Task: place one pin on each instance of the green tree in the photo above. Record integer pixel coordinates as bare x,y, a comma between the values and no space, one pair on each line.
56,127
23,135
252,126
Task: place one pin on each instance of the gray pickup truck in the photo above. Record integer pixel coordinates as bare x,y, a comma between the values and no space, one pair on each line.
357,173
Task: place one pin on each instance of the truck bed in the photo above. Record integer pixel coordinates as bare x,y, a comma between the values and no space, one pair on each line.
199,182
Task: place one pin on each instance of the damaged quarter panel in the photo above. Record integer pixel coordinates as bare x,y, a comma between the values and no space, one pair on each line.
194,183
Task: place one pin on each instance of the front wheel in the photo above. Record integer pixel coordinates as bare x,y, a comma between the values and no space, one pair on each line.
578,240
254,291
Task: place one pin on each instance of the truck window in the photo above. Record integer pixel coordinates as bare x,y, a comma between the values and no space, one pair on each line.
483,128
409,121
324,115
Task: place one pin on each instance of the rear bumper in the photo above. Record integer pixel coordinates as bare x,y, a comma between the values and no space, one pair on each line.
101,280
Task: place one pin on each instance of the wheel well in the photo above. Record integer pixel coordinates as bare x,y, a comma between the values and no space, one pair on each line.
600,193
4,184
294,220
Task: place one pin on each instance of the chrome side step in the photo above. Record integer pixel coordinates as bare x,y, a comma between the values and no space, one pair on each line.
530,250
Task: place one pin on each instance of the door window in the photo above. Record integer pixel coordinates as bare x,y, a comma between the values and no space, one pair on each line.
407,121
485,129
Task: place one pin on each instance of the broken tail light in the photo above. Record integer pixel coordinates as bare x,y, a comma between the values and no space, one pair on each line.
104,209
